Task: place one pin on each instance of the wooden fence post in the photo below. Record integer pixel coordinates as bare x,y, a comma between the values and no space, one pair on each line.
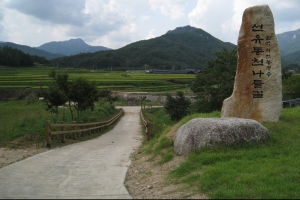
48,136
74,128
89,126
82,127
62,136
148,130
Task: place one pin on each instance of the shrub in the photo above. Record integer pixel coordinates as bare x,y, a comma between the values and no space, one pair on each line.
177,107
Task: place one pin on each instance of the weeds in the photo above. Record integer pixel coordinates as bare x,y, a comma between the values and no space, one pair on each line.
24,119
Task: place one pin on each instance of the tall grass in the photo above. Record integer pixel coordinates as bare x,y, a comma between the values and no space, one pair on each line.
21,118
159,145
262,170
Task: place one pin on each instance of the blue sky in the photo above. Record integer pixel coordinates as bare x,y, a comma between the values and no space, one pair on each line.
116,23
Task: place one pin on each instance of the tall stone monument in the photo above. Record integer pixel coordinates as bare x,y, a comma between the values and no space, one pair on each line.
257,92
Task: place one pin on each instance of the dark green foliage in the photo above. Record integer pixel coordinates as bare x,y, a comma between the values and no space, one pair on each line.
215,83
294,66
31,50
177,107
285,73
106,95
40,60
14,57
57,94
185,47
292,86
84,93
79,94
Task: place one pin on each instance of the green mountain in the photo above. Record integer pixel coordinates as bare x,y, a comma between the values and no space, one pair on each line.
184,47
31,50
292,57
70,47
289,42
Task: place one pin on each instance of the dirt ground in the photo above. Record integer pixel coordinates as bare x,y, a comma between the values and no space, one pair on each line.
145,178
10,155
19,149
148,180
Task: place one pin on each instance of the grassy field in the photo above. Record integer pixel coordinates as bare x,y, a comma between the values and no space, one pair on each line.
117,81
267,170
28,118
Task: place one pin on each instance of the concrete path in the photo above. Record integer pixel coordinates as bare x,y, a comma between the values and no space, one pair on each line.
89,169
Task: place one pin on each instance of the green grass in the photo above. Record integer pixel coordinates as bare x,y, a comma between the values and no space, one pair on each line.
19,118
35,77
159,145
262,170
28,118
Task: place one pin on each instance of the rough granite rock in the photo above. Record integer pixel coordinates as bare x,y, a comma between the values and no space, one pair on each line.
257,92
206,132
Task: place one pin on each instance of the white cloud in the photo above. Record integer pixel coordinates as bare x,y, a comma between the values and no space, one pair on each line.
296,26
196,15
115,23
151,34
214,17
171,8
116,39
145,17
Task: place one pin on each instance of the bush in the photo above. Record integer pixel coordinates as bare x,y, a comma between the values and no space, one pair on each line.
177,107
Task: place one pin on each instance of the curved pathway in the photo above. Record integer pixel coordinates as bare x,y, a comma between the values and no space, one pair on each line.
89,169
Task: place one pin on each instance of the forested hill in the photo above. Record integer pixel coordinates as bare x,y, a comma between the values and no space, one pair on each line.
30,50
184,47
289,42
70,47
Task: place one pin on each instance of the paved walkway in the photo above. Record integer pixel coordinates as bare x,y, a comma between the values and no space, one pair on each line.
89,169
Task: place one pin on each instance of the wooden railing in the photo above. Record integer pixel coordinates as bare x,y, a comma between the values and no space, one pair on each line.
82,128
147,124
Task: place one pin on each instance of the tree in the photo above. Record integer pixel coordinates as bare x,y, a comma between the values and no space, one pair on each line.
13,57
216,81
285,73
53,98
106,95
83,93
177,107
292,86
79,94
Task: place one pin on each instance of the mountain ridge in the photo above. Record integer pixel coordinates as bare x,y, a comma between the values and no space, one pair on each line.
289,42
70,47
182,42
31,50
184,47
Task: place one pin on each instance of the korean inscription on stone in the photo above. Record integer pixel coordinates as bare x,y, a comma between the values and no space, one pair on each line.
257,90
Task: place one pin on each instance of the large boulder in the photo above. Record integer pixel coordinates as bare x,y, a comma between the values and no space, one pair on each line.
206,132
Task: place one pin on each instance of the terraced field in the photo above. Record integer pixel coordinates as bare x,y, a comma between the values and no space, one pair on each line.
34,78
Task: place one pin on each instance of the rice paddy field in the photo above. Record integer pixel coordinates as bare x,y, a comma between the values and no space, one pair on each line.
36,77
